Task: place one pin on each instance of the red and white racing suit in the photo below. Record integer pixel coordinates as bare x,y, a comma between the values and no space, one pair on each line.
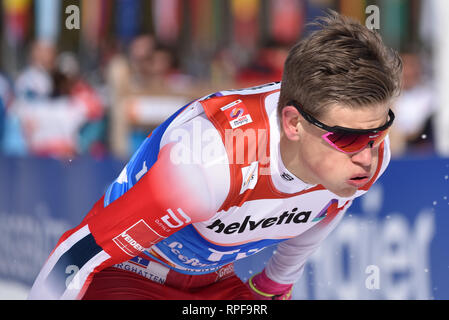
206,188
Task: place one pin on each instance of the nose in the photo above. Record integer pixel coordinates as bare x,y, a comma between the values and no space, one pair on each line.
364,157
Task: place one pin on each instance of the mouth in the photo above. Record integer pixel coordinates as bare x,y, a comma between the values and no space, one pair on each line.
358,180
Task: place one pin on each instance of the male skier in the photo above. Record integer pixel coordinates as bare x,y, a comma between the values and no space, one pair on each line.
235,172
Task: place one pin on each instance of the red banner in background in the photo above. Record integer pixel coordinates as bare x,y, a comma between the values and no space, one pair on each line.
17,15
287,20
245,14
166,17
95,16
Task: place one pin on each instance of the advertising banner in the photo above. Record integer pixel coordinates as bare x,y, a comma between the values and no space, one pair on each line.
391,244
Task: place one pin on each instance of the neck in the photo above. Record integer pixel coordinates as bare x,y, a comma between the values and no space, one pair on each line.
291,160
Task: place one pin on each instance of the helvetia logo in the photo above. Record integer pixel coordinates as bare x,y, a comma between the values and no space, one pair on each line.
285,218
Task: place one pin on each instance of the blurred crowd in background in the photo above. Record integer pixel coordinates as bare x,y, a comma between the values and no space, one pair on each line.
100,88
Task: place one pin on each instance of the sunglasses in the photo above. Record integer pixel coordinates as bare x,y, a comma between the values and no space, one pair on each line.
349,140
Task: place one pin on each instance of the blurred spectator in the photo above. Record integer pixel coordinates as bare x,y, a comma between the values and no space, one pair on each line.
36,80
161,70
414,109
126,75
140,61
69,83
145,85
55,113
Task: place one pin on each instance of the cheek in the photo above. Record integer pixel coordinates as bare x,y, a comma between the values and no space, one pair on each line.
375,160
321,160
330,165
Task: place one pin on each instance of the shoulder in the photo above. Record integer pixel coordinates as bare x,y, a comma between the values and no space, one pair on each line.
197,152
260,89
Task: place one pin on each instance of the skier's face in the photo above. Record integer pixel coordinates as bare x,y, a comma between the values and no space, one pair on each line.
313,160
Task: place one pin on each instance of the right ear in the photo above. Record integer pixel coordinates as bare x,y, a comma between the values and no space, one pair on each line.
291,124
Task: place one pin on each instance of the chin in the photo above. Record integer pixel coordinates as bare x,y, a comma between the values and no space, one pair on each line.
344,192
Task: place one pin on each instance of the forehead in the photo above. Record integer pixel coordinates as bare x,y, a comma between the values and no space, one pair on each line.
366,117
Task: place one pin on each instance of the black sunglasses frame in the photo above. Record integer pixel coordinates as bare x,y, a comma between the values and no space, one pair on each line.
337,129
